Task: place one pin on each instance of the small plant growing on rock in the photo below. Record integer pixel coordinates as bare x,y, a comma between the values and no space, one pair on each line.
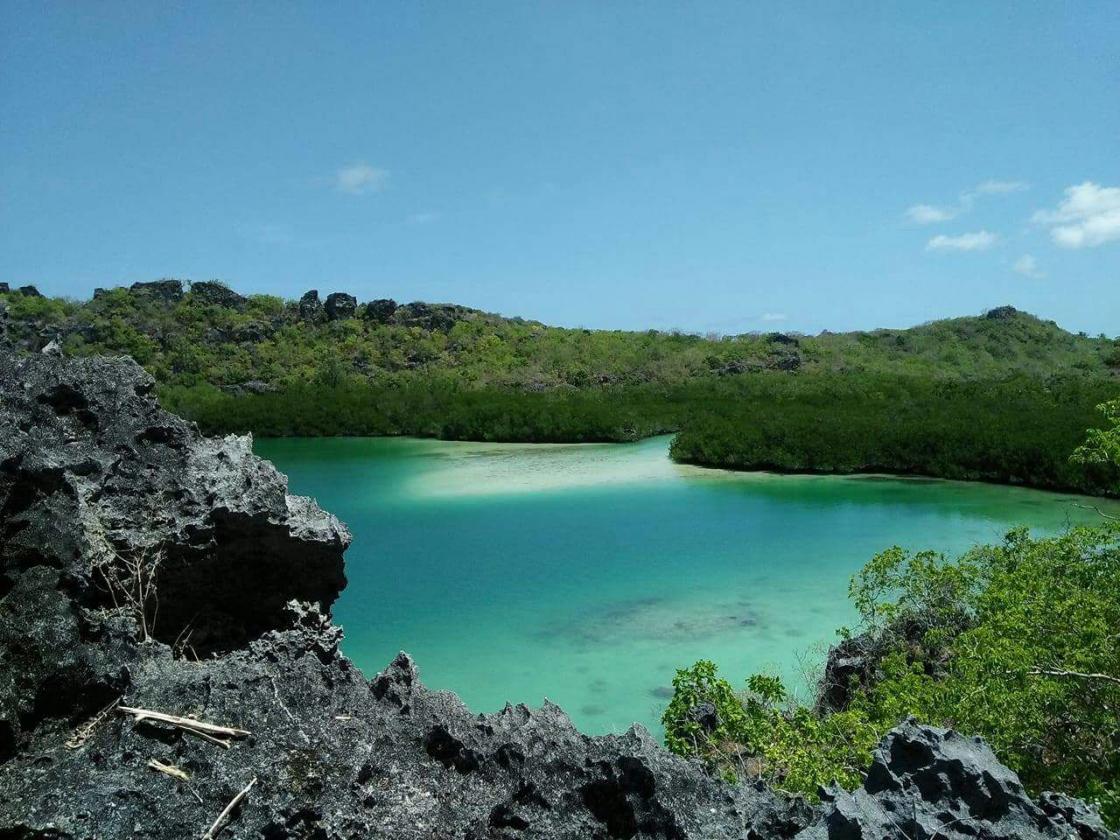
131,583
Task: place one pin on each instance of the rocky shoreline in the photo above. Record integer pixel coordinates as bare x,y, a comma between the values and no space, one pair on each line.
143,565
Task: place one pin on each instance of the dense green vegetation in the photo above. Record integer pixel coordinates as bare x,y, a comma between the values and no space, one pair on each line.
1002,397
1017,429
1016,642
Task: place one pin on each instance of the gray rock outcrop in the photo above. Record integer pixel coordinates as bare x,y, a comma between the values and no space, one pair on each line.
340,305
926,783
95,480
380,310
217,294
167,291
310,307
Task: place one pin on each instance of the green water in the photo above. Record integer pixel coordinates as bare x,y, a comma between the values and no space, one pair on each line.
587,574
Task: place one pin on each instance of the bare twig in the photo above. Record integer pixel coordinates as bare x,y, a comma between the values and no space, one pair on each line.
212,832
219,735
168,770
82,734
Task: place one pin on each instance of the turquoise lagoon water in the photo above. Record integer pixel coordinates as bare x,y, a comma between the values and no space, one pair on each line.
588,573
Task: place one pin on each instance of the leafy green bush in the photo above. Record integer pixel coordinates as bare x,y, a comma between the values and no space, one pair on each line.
760,733
1016,642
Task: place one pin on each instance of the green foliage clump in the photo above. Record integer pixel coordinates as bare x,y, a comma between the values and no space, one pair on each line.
1102,446
761,733
1016,642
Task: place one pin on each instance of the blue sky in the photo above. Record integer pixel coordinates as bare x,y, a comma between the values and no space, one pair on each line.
704,166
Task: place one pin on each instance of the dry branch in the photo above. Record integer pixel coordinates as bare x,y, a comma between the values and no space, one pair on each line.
1055,672
168,770
1099,512
214,733
212,832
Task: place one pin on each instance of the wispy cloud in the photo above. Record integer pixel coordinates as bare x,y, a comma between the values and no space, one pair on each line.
1088,216
1028,267
991,187
360,178
929,214
981,240
772,317
425,218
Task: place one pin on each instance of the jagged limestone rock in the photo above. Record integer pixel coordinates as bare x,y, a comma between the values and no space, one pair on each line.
340,305
217,294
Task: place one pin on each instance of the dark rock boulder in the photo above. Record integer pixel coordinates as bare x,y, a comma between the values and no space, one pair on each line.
217,294
788,361
380,311
310,307
705,714
849,665
30,291
782,338
340,305
4,288
1001,313
927,783
230,541
166,291
253,332
433,316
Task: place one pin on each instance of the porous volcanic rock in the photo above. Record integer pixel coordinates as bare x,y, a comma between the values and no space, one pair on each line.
310,307
92,471
340,305
167,291
217,294
925,782
1001,313
434,316
381,310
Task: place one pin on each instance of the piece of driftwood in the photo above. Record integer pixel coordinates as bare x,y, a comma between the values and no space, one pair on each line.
214,733
168,770
212,832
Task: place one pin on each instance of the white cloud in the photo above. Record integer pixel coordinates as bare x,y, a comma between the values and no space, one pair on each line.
981,240
1088,216
773,316
991,187
927,214
1028,267
360,178
425,218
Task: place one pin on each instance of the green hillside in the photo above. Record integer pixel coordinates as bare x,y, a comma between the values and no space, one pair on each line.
1003,396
